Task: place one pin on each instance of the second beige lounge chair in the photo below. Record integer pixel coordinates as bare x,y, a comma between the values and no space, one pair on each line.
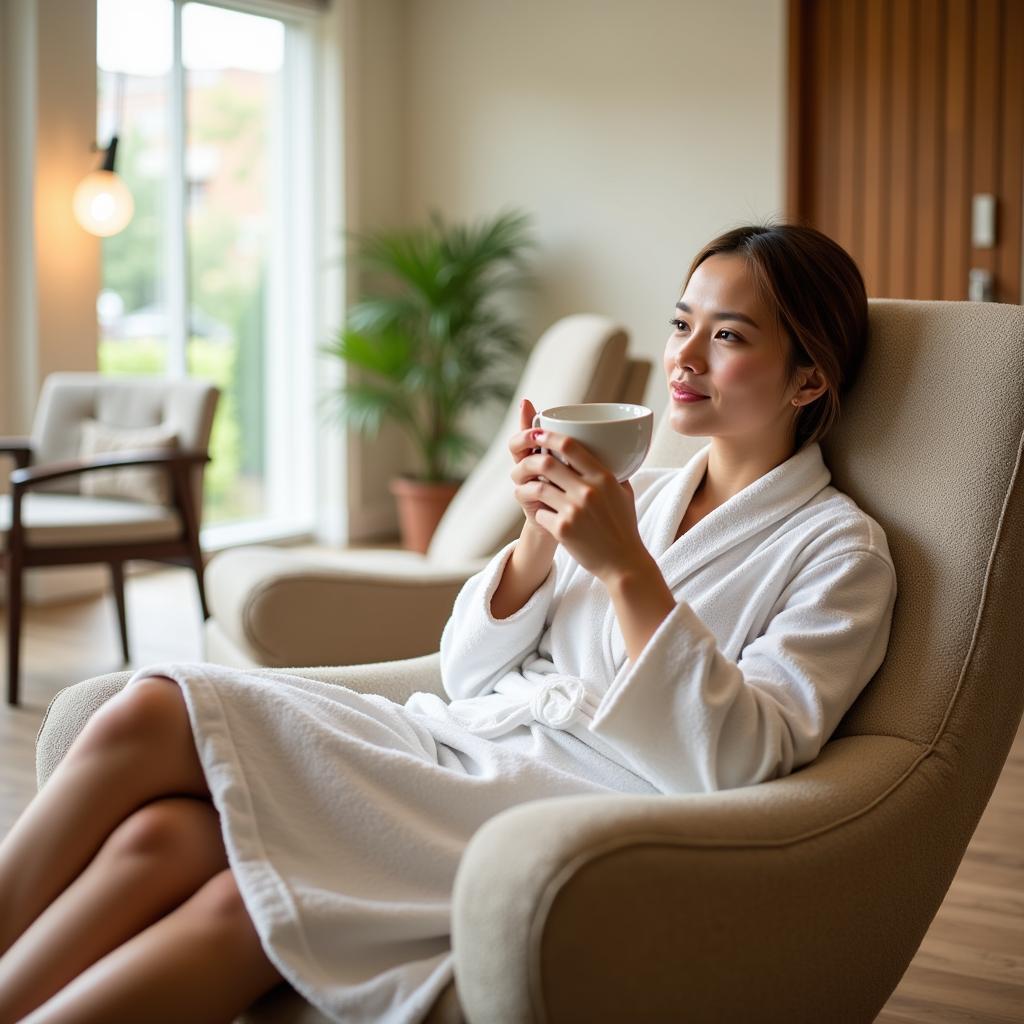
275,607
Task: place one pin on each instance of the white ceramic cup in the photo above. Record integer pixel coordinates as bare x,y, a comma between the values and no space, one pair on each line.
618,433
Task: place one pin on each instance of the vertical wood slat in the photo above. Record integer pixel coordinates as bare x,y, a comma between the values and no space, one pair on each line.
817,34
927,189
799,115
984,175
900,225
847,197
859,32
1010,215
985,144
957,141
875,263
825,127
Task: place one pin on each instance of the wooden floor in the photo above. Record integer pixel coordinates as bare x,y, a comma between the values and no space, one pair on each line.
970,967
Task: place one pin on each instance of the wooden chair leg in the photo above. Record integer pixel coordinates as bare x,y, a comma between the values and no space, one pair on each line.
196,559
117,579
14,571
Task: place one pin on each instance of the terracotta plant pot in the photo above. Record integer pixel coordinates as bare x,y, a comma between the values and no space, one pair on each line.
420,507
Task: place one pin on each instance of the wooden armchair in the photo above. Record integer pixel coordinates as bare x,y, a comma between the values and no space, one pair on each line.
93,428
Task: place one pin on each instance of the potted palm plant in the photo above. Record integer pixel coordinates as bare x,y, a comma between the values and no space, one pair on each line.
428,343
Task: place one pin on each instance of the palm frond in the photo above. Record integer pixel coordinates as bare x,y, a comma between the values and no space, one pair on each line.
388,354
411,258
429,343
391,313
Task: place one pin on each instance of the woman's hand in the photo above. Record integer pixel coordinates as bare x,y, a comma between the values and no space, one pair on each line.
580,503
522,445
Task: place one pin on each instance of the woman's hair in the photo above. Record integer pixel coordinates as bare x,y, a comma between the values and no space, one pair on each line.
819,298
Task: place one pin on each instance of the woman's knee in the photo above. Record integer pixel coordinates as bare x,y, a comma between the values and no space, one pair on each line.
179,833
143,712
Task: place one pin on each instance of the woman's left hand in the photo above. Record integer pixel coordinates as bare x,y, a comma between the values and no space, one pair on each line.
589,512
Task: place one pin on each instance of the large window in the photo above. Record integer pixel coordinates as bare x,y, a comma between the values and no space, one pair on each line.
212,276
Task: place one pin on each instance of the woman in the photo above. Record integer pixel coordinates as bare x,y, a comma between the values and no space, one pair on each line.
693,630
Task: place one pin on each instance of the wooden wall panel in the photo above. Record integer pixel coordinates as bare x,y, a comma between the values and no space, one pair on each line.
956,197
985,110
823,136
847,182
1011,167
875,262
905,110
927,193
900,225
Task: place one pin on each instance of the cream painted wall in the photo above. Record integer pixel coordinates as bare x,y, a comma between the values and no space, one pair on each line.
17,231
67,256
372,35
634,132
49,265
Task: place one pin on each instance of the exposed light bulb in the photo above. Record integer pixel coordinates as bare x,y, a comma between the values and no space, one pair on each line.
103,203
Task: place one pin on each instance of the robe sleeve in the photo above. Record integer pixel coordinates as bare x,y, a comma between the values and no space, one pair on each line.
476,648
688,719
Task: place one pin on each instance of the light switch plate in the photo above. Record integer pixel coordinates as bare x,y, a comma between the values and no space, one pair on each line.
983,221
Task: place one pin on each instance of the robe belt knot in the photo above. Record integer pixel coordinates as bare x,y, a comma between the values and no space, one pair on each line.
562,700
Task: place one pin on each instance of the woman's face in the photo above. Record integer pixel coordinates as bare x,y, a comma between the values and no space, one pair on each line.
726,344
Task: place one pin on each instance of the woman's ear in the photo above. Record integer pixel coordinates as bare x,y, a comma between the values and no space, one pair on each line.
812,386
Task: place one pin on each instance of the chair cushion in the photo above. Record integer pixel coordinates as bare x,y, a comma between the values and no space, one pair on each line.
52,520
137,483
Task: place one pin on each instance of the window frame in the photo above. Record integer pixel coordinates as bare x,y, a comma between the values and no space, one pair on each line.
292,299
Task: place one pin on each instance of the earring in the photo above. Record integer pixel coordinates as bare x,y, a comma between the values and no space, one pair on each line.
796,401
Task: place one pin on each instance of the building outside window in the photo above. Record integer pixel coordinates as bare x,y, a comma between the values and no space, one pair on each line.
214,275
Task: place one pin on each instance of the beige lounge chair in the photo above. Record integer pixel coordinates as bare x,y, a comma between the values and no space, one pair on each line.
805,898
272,606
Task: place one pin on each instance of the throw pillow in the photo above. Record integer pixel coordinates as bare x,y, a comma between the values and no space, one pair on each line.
139,483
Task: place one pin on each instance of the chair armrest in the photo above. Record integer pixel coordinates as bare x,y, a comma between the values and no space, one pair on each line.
74,705
20,448
282,608
25,479
811,890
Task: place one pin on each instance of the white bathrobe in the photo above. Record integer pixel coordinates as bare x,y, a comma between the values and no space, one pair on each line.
345,815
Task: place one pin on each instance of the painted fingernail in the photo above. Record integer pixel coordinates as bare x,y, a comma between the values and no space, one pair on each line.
538,434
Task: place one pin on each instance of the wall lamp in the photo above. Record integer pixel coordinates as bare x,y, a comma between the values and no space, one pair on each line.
103,204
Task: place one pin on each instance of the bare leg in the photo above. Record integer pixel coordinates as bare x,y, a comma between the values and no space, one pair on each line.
138,747
150,864
202,963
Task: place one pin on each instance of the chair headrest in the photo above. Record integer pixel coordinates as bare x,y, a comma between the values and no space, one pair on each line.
929,444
